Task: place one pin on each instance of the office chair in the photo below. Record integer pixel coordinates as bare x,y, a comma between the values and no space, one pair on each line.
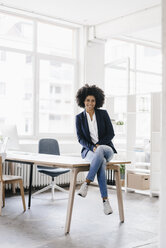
50,146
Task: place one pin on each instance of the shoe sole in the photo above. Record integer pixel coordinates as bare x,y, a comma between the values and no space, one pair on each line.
109,213
81,195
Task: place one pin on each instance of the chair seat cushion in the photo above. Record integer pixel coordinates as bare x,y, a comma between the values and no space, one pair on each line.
52,171
6,178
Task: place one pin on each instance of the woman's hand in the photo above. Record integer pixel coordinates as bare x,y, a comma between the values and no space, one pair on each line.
95,147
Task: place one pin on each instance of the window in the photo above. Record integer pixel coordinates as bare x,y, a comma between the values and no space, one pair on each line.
28,59
16,32
141,77
58,89
2,88
56,97
148,59
53,117
2,56
117,50
29,69
18,91
55,40
115,82
147,83
145,72
144,68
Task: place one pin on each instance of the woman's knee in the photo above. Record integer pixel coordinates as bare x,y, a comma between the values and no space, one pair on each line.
108,152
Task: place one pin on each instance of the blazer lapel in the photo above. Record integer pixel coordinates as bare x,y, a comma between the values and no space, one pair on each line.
86,126
98,122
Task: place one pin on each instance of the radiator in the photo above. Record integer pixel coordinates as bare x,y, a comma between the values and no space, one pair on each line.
39,179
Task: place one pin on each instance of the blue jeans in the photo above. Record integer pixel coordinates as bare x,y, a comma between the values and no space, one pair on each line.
98,161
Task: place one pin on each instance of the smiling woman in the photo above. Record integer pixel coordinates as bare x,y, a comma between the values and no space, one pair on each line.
95,133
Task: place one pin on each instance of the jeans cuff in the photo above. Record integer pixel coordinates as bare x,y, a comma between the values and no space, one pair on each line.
90,179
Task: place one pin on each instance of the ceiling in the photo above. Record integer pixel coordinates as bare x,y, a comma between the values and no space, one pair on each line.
151,35
84,12
90,12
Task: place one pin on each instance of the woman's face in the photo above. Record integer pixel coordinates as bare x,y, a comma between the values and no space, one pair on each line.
90,103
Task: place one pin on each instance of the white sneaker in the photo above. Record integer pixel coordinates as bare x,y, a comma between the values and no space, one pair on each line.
83,190
107,207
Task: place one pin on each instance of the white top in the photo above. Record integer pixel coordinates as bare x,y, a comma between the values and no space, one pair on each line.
93,129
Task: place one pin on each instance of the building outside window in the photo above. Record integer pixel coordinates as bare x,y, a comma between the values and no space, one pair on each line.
2,56
36,75
2,89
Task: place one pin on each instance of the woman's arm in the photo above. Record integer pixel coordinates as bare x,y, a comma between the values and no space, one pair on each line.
109,131
81,138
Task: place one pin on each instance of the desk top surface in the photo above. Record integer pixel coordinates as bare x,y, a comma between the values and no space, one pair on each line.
52,160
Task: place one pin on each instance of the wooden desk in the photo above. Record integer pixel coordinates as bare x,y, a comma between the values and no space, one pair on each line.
76,165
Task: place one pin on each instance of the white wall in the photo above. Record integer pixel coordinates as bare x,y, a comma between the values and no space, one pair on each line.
163,141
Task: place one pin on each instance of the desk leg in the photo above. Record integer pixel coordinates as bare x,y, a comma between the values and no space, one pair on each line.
30,185
73,177
119,194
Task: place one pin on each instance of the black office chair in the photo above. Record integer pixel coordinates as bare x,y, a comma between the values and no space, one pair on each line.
50,146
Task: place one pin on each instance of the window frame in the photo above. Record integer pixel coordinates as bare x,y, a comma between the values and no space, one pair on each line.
113,65
36,56
134,70
57,58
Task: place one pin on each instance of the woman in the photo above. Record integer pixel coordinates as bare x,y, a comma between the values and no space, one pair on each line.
95,132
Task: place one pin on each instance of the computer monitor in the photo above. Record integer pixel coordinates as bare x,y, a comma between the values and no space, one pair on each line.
10,131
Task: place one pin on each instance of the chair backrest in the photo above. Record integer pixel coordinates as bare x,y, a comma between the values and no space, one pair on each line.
49,146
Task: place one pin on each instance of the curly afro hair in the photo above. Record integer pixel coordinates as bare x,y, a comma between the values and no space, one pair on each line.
90,90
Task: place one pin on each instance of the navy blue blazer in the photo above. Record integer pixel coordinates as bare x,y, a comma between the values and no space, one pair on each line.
105,131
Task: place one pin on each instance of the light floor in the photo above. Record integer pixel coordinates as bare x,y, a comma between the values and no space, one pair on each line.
43,225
